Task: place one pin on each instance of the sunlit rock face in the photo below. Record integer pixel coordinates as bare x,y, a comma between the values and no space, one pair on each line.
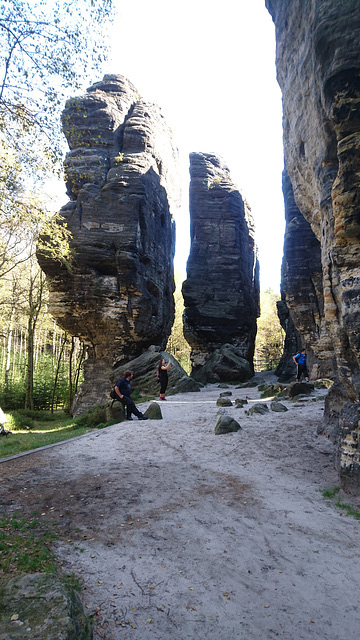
302,295
121,177
221,292
318,64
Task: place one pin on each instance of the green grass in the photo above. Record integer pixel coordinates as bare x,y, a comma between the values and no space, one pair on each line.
330,493
350,511
25,545
42,433
34,429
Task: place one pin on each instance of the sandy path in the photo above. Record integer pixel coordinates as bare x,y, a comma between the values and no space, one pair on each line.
179,534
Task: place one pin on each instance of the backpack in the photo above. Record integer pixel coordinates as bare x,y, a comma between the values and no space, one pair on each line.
158,372
113,394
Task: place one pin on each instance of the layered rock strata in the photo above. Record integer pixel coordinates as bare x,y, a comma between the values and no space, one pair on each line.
221,291
301,311
318,64
121,177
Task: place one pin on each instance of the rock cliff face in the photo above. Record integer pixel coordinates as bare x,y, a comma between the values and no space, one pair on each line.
221,292
318,63
302,294
121,176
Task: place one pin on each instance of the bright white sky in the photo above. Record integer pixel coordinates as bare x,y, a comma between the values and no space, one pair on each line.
210,66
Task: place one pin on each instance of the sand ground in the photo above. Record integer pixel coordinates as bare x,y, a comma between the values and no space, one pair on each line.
179,534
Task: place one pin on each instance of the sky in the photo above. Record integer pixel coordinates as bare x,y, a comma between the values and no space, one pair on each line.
210,66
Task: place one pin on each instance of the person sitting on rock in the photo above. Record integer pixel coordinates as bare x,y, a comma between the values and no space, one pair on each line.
301,368
123,390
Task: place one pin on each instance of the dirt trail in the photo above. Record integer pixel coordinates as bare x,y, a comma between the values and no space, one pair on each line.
179,534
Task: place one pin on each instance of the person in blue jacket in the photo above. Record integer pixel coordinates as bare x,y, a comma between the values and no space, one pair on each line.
301,368
123,391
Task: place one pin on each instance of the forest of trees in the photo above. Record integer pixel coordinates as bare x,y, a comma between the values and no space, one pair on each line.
48,51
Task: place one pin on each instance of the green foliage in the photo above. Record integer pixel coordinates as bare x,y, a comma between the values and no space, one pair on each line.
270,335
47,48
177,345
25,545
92,418
72,581
330,493
350,511
59,428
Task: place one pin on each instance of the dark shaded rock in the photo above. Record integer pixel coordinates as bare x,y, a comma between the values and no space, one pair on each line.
223,402
225,393
114,410
335,400
226,424
240,403
300,388
302,397
225,363
121,176
145,379
302,304
258,408
153,412
221,292
250,384
318,64
278,407
43,608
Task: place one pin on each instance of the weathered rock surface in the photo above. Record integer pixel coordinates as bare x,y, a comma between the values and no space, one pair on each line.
223,402
302,300
278,407
226,424
224,364
37,606
153,412
221,292
145,379
318,64
258,408
300,388
121,176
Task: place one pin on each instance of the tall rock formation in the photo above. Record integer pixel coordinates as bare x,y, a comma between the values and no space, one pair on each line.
221,292
302,295
318,64
121,177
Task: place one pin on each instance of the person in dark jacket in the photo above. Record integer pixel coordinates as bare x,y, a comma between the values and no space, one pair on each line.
163,377
123,390
301,368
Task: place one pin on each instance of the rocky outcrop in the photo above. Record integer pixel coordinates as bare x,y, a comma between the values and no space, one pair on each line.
121,177
225,365
318,64
145,379
301,311
39,605
221,292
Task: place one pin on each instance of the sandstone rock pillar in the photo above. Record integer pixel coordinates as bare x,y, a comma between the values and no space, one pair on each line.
121,176
221,292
